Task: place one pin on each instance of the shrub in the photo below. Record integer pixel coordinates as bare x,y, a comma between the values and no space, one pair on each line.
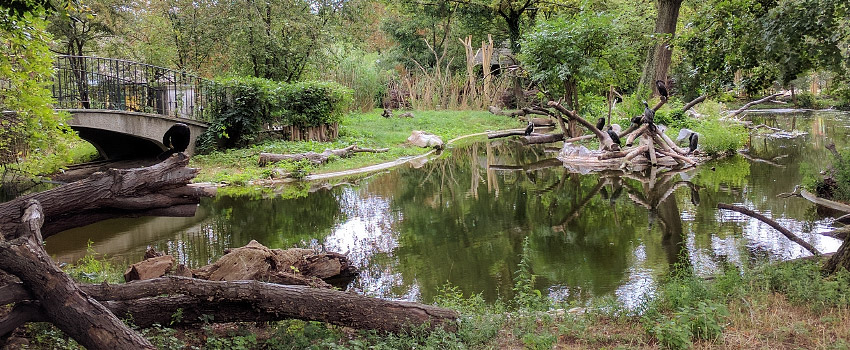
807,100
243,106
313,103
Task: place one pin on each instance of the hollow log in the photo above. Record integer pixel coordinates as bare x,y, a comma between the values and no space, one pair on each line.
62,302
750,104
773,224
317,158
159,186
693,103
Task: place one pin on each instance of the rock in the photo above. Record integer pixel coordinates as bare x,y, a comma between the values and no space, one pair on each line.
149,268
254,261
406,115
425,139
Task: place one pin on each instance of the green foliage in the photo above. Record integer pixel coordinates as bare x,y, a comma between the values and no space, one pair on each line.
809,100
26,67
312,103
93,268
717,136
688,308
769,41
525,295
587,51
244,106
803,283
361,72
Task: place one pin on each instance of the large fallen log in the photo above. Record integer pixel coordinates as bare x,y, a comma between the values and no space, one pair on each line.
317,158
60,300
159,186
156,301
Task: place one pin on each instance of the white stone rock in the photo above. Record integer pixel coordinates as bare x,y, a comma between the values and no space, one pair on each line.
425,139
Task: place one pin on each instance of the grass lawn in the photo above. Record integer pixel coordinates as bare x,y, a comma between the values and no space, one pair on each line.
368,130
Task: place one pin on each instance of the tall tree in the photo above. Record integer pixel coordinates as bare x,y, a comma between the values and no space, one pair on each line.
658,59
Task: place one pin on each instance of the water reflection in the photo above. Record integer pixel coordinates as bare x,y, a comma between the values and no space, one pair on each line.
462,218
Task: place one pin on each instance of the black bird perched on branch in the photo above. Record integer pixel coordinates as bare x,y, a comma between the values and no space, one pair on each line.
648,116
693,141
529,129
614,136
600,123
662,89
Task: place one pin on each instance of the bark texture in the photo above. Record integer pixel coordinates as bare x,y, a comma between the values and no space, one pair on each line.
61,301
658,59
159,186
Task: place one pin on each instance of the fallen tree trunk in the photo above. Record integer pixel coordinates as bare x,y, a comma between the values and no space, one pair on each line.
156,301
773,224
752,103
159,186
61,301
317,158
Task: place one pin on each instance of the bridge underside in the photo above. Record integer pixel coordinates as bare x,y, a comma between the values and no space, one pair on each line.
115,145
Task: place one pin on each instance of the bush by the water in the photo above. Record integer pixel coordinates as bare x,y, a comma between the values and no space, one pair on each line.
243,106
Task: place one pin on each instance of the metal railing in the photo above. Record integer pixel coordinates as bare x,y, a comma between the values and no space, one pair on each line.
109,83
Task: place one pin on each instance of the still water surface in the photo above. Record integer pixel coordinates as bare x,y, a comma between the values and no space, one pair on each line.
462,219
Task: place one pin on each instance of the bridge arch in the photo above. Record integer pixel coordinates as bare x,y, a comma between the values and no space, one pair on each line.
118,134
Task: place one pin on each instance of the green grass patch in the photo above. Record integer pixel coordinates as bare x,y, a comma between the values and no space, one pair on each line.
369,130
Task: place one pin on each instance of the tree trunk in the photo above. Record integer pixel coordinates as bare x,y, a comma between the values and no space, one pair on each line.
158,300
658,58
61,301
160,186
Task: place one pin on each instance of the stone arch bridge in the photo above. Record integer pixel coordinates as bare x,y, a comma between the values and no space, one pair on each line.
123,108
118,134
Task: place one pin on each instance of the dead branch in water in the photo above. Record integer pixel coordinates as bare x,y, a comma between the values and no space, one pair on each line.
773,224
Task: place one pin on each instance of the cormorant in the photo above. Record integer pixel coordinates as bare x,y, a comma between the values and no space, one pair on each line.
529,129
693,140
614,136
662,89
600,123
648,116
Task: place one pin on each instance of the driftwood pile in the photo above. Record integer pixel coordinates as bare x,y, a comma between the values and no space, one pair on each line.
645,142
34,289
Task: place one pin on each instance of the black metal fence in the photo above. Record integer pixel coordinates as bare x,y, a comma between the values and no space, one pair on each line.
108,83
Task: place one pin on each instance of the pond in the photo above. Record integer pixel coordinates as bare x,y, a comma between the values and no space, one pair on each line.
468,217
